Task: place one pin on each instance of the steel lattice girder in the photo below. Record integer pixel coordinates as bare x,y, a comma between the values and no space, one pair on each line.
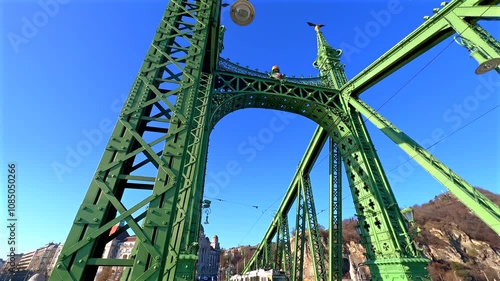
319,138
373,197
335,257
163,125
315,244
162,100
460,17
484,208
440,26
428,35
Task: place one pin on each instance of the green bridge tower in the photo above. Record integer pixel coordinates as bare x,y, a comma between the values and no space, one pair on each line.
160,143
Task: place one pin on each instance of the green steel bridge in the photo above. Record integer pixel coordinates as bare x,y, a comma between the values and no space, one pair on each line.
184,88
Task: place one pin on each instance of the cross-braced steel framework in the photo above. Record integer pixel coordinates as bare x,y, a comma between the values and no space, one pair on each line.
184,88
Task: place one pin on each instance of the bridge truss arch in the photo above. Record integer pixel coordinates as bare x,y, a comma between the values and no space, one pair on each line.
375,203
177,98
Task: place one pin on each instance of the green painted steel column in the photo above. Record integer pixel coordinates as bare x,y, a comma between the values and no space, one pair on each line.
300,232
164,128
390,252
481,45
328,62
335,257
315,244
159,145
484,208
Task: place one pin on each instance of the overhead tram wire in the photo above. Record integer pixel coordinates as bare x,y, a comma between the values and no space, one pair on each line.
425,66
437,142
474,120
324,210
381,106
249,205
445,137
397,92
263,212
404,86
232,202
449,135
413,77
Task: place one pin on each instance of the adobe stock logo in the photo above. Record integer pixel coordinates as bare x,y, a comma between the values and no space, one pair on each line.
90,139
32,25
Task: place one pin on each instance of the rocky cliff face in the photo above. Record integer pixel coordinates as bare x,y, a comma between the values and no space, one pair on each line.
462,256
455,257
458,244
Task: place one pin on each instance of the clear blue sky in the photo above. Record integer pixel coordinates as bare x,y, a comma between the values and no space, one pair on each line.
72,71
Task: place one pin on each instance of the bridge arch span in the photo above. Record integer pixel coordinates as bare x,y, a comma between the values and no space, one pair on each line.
335,122
321,105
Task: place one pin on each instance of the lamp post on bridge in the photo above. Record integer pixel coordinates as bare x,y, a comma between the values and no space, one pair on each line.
408,215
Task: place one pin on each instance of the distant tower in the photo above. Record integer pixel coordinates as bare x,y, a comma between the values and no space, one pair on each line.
215,242
202,231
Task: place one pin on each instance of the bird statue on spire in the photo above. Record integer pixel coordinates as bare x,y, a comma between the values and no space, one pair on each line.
316,26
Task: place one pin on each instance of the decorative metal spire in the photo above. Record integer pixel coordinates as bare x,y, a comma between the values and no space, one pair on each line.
328,59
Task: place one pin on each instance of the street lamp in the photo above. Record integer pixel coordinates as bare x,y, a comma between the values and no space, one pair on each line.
242,12
408,215
206,206
410,220
486,63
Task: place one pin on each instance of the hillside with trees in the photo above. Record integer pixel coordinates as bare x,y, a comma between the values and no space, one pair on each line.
458,244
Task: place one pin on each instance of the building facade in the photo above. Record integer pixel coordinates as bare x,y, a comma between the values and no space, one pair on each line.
208,257
114,250
40,262
121,248
6,271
